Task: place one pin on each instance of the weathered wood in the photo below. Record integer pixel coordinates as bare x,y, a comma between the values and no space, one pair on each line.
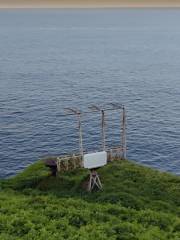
74,161
67,164
58,162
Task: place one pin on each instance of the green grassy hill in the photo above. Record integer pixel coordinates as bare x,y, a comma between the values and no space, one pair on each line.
136,203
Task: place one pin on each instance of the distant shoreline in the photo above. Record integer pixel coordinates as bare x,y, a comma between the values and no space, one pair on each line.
90,7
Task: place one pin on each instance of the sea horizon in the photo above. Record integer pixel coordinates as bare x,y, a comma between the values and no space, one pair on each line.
51,60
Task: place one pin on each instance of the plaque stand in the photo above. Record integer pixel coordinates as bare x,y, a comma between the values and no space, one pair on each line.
94,181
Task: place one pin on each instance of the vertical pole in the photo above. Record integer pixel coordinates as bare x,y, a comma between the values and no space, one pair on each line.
111,153
58,163
124,133
103,131
80,138
74,161
67,164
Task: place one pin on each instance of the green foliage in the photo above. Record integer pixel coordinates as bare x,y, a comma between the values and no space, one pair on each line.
137,203
27,179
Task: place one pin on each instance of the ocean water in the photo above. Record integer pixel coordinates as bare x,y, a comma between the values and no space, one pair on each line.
52,59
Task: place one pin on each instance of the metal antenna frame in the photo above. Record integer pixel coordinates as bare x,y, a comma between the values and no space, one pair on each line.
97,109
123,139
94,108
78,114
117,106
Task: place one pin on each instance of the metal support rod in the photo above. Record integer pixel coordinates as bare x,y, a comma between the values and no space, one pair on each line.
123,137
70,111
80,136
94,108
97,109
103,131
78,114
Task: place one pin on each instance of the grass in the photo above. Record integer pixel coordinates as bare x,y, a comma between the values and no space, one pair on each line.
136,203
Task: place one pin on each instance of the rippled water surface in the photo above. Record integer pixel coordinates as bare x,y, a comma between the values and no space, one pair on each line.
51,59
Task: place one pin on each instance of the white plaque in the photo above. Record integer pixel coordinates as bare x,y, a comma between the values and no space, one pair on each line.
95,160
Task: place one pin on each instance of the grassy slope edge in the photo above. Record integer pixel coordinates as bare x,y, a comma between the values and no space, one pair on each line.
136,203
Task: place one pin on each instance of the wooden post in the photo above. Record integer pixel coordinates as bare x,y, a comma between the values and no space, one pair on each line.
110,155
67,164
58,162
74,161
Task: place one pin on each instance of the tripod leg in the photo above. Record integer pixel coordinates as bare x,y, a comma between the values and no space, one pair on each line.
90,183
94,180
98,182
